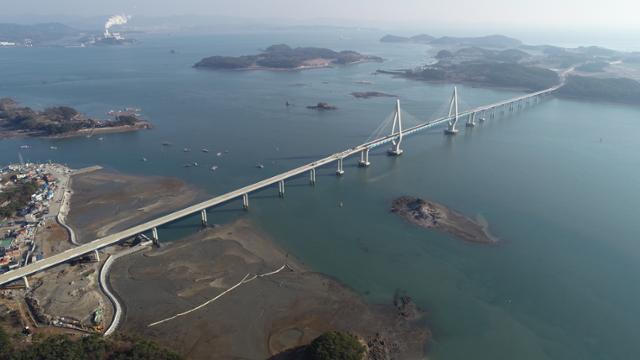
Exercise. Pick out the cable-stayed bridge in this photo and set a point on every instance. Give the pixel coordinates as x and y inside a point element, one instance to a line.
<point>395,137</point>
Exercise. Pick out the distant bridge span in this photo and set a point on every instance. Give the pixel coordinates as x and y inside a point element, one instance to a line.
<point>395,138</point>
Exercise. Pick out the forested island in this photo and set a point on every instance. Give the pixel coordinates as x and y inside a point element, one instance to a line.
<point>620,90</point>
<point>284,57</point>
<point>16,120</point>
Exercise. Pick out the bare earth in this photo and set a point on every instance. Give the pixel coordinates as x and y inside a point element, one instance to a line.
<point>430,214</point>
<point>102,203</point>
<point>105,202</point>
<point>257,319</point>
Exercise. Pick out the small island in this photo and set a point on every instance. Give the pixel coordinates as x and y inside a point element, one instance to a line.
<point>283,57</point>
<point>370,94</point>
<point>60,121</point>
<point>431,215</point>
<point>321,106</point>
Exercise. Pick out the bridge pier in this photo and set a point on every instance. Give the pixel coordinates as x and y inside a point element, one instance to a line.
<point>281,188</point>
<point>364,158</point>
<point>483,115</point>
<point>340,170</point>
<point>471,120</point>
<point>97,254</point>
<point>26,282</point>
<point>203,217</point>
<point>245,201</point>
<point>154,236</point>
<point>312,176</point>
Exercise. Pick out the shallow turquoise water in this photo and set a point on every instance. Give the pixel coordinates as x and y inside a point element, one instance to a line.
<point>558,183</point>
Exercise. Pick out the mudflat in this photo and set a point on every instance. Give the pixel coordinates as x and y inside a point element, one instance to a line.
<point>256,319</point>
<point>105,202</point>
<point>431,215</point>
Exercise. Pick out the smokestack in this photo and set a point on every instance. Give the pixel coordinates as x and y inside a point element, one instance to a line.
<point>115,20</point>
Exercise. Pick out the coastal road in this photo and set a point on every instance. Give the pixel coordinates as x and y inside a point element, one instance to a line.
<point>218,200</point>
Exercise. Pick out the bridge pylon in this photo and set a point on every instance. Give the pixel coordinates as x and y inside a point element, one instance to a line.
<point>453,113</point>
<point>397,121</point>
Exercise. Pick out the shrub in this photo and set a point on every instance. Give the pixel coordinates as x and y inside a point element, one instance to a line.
<point>335,345</point>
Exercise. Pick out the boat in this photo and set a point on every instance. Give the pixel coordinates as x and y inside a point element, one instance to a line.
<point>166,143</point>
<point>214,168</point>
<point>195,164</point>
<point>186,150</point>
<point>53,147</point>
<point>144,159</point>
<point>100,138</point>
<point>204,150</point>
<point>25,147</point>
<point>187,165</point>
<point>219,154</point>
<point>260,166</point>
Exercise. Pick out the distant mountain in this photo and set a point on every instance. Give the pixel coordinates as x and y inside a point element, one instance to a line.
<point>491,41</point>
<point>38,33</point>
<point>422,38</point>
<point>494,41</point>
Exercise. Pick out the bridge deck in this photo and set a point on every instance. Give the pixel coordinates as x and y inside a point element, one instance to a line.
<point>119,236</point>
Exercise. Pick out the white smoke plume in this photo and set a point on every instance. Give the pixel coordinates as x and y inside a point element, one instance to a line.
<point>116,20</point>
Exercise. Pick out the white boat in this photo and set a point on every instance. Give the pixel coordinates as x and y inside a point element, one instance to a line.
<point>25,147</point>
<point>214,168</point>
<point>205,150</point>
<point>195,164</point>
<point>100,138</point>
<point>260,166</point>
<point>144,159</point>
<point>53,147</point>
<point>219,154</point>
<point>186,150</point>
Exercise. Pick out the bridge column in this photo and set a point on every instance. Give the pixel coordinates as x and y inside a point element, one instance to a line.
<point>483,115</point>
<point>312,176</point>
<point>364,158</point>
<point>340,170</point>
<point>281,188</point>
<point>26,282</point>
<point>203,217</point>
<point>154,236</point>
<point>97,254</point>
<point>397,119</point>
<point>453,114</point>
<point>245,201</point>
<point>471,120</point>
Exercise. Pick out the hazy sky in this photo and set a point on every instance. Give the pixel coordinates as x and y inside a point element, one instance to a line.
<point>536,14</point>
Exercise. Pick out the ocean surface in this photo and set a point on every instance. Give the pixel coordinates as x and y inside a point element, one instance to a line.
<point>559,183</point>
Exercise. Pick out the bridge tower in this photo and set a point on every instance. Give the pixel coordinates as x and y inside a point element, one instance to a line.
<point>154,236</point>
<point>397,119</point>
<point>453,113</point>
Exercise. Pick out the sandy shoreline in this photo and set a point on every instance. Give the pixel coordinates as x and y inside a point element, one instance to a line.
<point>256,320</point>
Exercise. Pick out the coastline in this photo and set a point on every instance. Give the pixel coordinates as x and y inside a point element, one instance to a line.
<point>20,134</point>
